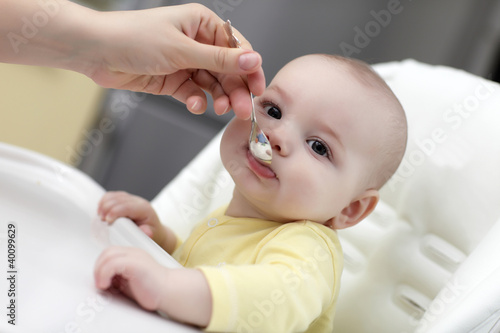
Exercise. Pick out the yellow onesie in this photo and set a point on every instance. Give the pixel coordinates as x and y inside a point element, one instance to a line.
<point>266,276</point>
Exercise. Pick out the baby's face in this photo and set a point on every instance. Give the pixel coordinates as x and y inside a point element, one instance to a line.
<point>315,116</point>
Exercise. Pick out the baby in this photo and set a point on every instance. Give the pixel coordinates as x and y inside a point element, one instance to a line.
<point>270,261</point>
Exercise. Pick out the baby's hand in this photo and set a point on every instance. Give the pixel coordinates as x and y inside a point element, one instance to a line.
<point>122,204</point>
<point>182,293</point>
<point>132,271</point>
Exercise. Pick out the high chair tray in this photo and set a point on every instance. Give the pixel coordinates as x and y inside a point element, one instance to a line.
<point>50,238</point>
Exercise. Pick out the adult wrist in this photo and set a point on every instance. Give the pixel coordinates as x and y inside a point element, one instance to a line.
<point>81,35</point>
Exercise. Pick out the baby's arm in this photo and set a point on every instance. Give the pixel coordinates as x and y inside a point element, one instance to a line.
<point>183,294</point>
<point>121,204</point>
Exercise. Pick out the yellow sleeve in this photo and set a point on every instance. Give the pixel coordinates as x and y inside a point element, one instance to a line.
<point>290,288</point>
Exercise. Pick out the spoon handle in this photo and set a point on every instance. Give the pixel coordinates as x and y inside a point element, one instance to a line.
<point>231,38</point>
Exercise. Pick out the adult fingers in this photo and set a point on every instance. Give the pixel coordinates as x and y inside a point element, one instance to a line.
<point>257,82</point>
<point>220,59</point>
<point>211,85</point>
<point>180,86</point>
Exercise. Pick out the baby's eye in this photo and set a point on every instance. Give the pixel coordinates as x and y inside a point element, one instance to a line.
<point>273,111</point>
<point>319,147</point>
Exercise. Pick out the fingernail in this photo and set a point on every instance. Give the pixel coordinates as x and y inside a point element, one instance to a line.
<point>248,61</point>
<point>196,106</point>
<point>193,107</point>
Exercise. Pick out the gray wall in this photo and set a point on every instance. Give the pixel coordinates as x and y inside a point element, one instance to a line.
<point>443,32</point>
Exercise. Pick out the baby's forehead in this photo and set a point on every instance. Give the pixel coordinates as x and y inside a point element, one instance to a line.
<point>314,71</point>
<point>336,83</point>
<point>323,65</point>
<point>313,63</point>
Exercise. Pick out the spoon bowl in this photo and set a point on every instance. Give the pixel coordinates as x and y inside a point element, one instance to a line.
<point>259,144</point>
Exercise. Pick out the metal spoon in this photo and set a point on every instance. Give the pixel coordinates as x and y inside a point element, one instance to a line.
<point>259,144</point>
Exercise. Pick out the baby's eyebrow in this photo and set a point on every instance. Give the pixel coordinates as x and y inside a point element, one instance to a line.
<point>330,131</point>
<point>283,93</point>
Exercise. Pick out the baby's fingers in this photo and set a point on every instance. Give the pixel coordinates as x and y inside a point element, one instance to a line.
<point>147,230</point>
<point>107,201</point>
<point>113,205</point>
<point>111,262</point>
<point>115,211</point>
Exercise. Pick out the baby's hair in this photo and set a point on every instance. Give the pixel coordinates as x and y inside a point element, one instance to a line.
<point>392,148</point>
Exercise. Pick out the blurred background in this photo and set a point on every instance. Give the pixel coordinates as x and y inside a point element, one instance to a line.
<point>139,142</point>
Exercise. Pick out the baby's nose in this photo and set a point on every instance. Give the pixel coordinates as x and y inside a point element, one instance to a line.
<point>278,140</point>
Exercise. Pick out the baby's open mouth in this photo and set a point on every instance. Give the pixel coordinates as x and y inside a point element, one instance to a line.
<point>259,168</point>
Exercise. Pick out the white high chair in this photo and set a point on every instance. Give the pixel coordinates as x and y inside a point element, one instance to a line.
<point>427,259</point>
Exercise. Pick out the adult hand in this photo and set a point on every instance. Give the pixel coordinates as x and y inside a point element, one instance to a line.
<point>178,51</point>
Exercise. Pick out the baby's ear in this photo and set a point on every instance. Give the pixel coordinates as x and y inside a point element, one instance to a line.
<point>357,210</point>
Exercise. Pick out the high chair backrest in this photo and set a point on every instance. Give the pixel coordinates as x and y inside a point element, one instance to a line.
<point>427,259</point>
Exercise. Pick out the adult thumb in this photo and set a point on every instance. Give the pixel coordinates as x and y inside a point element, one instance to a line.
<point>225,60</point>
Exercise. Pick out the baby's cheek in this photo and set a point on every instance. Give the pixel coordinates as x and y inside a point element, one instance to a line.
<point>316,198</point>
